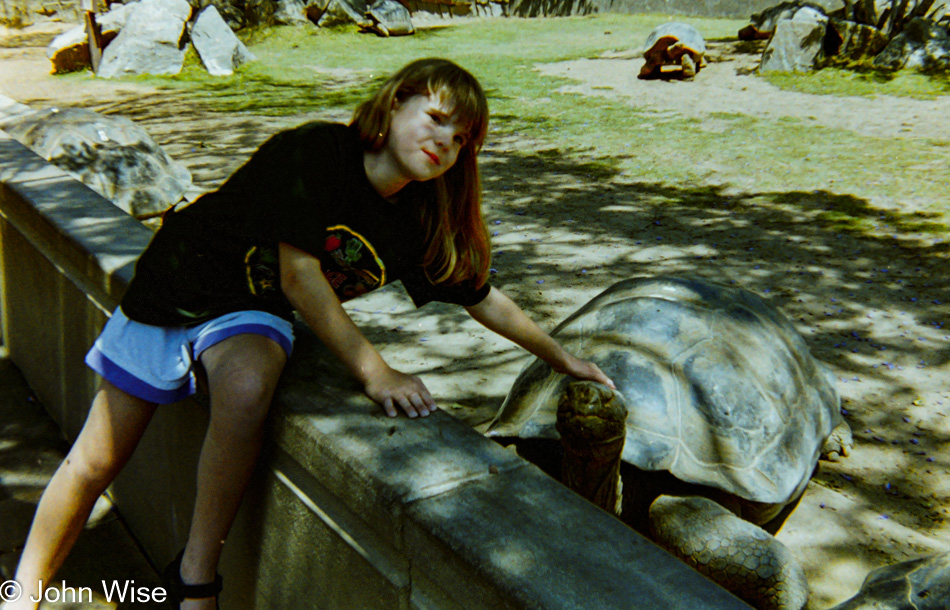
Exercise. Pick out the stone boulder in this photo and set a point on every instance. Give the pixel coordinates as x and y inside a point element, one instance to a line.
<point>70,50</point>
<point>850,40</point>
<point>110,154</point>
<point>284,12</point>
<point>291,12</point>
<point>868,12</point>
<point>152,41</point>
<point>219,49</point>
<point>762,24</point>
<point>232,11</point>
<point>797,43</point>
<point>923,44</point>
<point>891,16</point>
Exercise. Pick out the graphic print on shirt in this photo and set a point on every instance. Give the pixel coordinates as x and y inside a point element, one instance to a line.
<point>351,266</point>
<point>260,264</point>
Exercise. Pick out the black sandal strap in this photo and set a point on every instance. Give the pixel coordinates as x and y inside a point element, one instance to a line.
<point>179,591</point>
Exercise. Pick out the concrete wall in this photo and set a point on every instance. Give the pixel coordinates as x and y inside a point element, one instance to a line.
<point>348,508</point>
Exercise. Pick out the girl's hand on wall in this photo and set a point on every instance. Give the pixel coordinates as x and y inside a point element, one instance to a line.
<point>585,371</point>
<point>392,388</point>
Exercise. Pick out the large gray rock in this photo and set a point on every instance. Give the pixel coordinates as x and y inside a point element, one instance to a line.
<point>863,11</point>
<point>890,15</point>
<point>762,24</point>
<point>70,50</point>
<point>851,40</point>
<point>219,49</point>
<point>232,11</point>
<point>290,12</point>
<point>922,44</point>
<point>797,42</point>
<point>116,17</point>
<point>283,12</point>
<point>110,154</point>
<point>112,21</point>
<point>152,41</point>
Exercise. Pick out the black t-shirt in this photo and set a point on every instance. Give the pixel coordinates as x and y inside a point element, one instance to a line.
<point>306,187</point>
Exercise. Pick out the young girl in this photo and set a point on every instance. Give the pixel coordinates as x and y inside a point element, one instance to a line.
<point>318,215</point>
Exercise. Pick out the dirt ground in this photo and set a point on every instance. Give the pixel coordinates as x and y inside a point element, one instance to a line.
<point>874,307</point>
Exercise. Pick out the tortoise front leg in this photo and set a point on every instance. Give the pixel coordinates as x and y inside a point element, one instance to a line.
<point>740,556</point>
<point>689,66</point>
<point>839,443</point>
<point>591,420</point>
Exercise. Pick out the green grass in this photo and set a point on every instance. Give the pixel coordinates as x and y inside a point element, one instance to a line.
<point>501,53</point>
<point>299,70</point>
<point>865,82</point>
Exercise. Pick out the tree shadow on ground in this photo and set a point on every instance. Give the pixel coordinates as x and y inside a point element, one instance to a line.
<point>862,285</point>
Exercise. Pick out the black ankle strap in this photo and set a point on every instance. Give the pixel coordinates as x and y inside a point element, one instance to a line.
<point>179,591</point>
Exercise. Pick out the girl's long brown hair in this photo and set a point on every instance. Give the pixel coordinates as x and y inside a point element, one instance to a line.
<point>458,247</point>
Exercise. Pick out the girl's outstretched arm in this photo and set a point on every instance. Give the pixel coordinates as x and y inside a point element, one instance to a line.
<point>307,289</point>
<point>499,313</point>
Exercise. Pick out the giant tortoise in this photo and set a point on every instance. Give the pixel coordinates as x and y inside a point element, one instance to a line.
<point>677,44</point>
<point>726,416</point>
<point>387,18</point>
<point>110,154</point>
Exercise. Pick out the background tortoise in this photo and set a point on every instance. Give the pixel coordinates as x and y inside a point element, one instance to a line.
<point>388,18</point>
<point>673,44</point>
<point>921,584</point>
<point>110,154</point>
<point>722,394</point>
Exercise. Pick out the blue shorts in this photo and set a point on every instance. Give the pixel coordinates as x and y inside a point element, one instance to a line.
<point>157,363</point>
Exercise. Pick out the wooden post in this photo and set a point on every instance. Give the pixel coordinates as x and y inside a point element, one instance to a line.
<point>93,33</point>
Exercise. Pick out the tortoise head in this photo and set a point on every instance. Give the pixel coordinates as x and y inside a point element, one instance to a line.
<point>590,412</point>
<point>591,419</point>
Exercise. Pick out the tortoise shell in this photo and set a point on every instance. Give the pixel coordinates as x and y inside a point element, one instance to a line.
<point>110,154</point>
<point>389,18</point>
<point>721,389</point>
<point>661,38</point>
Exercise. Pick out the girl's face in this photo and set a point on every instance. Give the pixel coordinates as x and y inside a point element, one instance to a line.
<point>424,137</point>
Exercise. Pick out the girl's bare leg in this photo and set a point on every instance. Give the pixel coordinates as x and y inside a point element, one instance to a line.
<point>242,373</point>
<point>112,430</point>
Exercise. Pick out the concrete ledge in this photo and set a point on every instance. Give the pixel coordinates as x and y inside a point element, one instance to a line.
<point>348,508</point>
